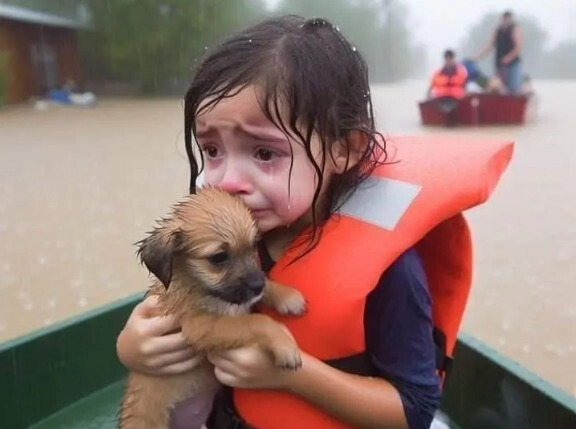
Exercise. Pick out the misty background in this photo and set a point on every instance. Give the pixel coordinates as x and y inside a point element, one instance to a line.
<point>153,45</point>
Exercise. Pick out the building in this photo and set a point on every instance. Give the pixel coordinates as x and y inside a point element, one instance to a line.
<point>41,50</point>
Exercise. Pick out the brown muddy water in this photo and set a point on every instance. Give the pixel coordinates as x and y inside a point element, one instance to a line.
<point>79,186</point>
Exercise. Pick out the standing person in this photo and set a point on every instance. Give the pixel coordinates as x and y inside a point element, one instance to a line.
<point>369,230</point>
<point>507,40</point>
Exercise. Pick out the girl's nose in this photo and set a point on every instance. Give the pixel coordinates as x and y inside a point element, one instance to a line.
<point>236,181</point>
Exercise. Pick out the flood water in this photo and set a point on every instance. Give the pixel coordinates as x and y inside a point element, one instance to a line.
<point>79,186</point>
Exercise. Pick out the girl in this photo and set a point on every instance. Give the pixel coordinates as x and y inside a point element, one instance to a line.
<point>282,115</point>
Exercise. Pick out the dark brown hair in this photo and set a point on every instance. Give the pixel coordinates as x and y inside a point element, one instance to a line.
<point>308,68</point>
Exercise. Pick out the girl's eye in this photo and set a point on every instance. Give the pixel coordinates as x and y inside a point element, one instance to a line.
<point>264,154</point>
<point>210,151</point>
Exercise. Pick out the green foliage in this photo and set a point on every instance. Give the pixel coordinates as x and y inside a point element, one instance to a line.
<point>3,77</point>
<point>153,42</point>
<point>377,28</point>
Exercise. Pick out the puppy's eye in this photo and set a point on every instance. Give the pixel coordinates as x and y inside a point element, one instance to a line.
<point>218,258</point>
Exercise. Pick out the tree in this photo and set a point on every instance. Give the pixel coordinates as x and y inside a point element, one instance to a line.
<point>153,42</point>
<point>377,28</point>
<point>3,77</point>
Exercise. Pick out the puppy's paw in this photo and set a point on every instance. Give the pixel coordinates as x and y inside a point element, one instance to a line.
<point>292,303</point>
<point>285,300</point>
<point>287,357</point>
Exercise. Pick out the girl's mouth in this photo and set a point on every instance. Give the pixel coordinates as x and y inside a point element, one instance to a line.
<point>258,213</point>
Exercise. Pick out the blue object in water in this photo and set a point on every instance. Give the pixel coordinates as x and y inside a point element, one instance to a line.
<point>59,96</point>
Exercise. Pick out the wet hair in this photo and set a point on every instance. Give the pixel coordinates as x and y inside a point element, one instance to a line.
<point>449,54</point>
<point>304,67</point>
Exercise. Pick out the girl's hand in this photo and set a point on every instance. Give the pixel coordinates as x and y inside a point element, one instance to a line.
<point>249,368</point>
<point>149,344</point>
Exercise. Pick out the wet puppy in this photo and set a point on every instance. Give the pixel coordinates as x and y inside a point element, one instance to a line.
<point>205,259</point>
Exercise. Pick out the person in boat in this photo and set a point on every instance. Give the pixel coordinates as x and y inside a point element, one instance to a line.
<point>282,115</point>
<point>495,85</point>
<point>448,86</point>
<point>450,80</point>
<point>506,39</point>
<point>477,80</point>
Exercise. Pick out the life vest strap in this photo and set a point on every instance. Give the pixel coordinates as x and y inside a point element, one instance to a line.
<point>443,360</point>
<point>225,415</point>
<point>359,364</point>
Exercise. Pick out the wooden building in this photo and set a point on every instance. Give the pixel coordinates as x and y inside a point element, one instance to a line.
<point>41,51</point>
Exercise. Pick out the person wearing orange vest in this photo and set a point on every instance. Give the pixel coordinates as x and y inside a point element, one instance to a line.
<point>369,229</point>
<point>450,80</point>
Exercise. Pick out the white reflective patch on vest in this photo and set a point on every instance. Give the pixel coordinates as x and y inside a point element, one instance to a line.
<point>380,201</point>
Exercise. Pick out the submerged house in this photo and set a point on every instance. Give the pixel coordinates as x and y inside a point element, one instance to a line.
<point>39,49</point>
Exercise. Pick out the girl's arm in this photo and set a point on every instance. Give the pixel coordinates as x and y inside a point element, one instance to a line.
<point>399,341</point>
<point>363,402</point>
<point>152,344</point>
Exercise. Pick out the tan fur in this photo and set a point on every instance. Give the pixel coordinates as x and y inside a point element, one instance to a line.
<point>178,253</point>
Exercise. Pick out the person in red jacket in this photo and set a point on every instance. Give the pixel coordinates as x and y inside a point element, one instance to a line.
<point>450,80</point>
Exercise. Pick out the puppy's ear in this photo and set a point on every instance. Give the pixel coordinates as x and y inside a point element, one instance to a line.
<point>157,251</point>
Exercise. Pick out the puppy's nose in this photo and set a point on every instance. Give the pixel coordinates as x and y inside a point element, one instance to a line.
<point>255,280</point>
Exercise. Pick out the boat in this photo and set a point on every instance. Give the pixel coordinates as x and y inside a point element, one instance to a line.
<point>67,376</point>
<point>476,109</point>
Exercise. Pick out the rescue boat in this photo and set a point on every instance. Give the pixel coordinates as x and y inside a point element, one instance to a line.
<point>68,376</point>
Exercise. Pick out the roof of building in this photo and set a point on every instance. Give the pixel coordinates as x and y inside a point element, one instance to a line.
<point>21,14</point>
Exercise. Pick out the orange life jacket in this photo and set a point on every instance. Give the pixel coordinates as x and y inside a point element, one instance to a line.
<point>445,85</point>
<point>417,201</point>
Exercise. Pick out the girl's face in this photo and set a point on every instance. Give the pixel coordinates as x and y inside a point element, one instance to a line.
<point>246,155</point>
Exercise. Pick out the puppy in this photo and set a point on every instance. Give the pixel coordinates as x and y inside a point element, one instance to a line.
<point>205,258</point>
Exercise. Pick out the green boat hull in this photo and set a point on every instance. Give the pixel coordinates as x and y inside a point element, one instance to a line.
<point>68,377</point>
